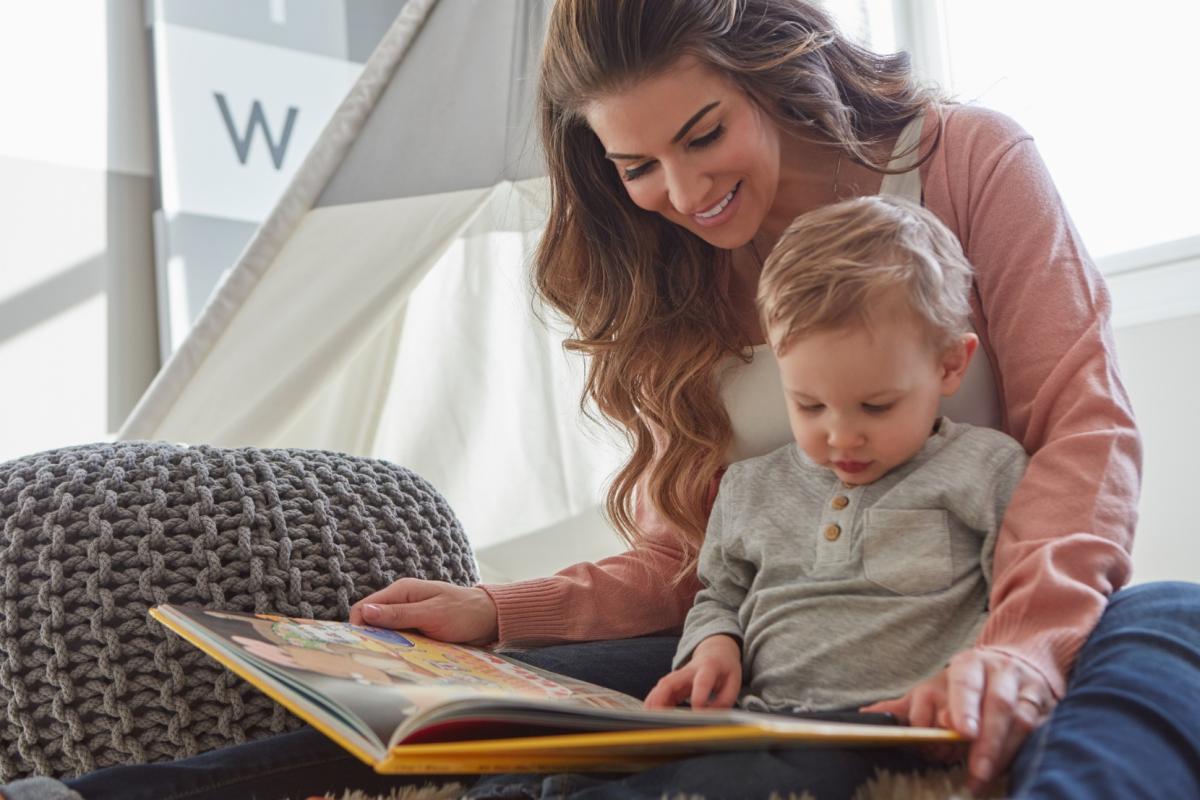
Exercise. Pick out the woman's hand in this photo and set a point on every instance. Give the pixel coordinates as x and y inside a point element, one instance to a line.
<point>434,608</point>
<point>715,667</point>
<point>985,695</point>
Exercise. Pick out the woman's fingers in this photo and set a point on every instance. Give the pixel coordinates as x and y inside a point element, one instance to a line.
<point>965,680</point>
<point>401,591</point>
<point>986,758</point>
<point>1034,703</point>
<point>435,608</point>
<point>397,616</point>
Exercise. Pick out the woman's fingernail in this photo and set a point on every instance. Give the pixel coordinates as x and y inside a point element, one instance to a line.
<point>372,610</point>
<point>971,726</point>
<point>983,769</point>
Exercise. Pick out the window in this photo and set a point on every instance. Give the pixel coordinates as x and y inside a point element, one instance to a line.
<point>1108,95</point>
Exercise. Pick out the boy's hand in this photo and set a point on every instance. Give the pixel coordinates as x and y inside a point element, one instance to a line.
<point>712,679</point>
<point>985,695</point>
<point>437,609</point>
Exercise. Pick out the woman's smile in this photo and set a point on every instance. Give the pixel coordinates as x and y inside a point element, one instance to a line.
<point>720,212</point>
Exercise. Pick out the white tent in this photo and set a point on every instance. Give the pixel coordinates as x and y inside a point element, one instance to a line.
<point>384,308</point>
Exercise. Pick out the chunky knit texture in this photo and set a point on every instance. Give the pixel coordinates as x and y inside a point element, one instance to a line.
<point>91,537</point>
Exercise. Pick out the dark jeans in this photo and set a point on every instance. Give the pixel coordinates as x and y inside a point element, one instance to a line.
<point>1128,727</point>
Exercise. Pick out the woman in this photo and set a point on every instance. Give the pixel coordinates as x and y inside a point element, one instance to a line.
<point>681,137</point>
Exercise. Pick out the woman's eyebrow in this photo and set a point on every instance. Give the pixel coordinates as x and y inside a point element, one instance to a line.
<point>687,126</point>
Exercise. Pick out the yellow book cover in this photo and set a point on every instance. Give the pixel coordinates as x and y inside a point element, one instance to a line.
<point>404,703</point>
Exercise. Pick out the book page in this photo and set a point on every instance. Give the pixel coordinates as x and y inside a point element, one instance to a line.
<point>385,677</point>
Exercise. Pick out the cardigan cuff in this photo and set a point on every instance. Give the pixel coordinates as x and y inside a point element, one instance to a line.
<point>529,612</point>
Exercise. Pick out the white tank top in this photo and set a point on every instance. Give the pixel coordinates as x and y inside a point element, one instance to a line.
<point>753,392</point>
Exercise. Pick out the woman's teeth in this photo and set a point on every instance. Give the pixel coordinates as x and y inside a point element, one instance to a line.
<point>719,207</point>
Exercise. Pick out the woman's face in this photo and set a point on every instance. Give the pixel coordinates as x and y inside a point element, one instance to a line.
<point>692,146</point>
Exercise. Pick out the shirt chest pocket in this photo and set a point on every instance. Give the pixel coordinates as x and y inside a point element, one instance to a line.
<point>907,551</point>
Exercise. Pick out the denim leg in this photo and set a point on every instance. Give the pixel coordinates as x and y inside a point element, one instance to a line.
<point>829,773</point>
<point>631,666</point>
<point>293,765</point>
<point>1129,725</point>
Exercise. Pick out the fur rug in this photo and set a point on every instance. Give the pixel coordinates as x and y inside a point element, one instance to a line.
<point>933,785</point>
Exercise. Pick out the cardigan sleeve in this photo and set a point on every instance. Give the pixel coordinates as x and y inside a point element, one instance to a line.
<point>631,594</point>
<point>1065,542</point>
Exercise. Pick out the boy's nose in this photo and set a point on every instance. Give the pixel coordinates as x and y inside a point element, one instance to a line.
<point>844,438</point>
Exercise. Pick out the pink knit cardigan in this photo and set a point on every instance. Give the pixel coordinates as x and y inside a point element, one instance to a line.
<point>1042,312</point>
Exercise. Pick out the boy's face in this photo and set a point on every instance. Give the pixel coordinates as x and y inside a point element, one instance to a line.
<point>863,400</point>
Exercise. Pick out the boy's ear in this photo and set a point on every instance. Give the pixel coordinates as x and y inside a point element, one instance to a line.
<point>955,359</point>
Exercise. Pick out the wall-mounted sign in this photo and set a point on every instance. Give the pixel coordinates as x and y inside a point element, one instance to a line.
<point>236,118</point>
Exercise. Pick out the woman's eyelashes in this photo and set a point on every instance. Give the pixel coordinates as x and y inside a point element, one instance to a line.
<point>633,173</point>
<point>708,138</point>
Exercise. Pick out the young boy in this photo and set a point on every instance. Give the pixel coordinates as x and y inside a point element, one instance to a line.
<point>849,566</point>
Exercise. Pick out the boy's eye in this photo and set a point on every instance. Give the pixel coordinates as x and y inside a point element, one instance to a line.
<point>877,408</point>
<point>708,138</point>
<point>811,408</point>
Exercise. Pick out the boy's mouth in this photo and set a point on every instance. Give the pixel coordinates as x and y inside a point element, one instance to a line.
<point>852,467</point>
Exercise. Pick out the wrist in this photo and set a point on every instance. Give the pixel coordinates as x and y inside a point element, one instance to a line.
<point>721,643</point>
<point>487,614</point>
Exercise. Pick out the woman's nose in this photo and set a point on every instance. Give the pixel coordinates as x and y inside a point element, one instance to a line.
<point>687,191</point>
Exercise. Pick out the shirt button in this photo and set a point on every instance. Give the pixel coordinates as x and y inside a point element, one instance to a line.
<point>840,502</point>
<point>832,532</point>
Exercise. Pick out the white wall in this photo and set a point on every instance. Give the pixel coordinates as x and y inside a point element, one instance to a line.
<point>77,322</point>
<point>1161,368</point>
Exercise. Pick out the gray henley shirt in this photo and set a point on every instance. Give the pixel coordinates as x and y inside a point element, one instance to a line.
<point>842,595</point>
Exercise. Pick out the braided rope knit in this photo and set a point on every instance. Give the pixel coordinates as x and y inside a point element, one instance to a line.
<point>92,536</point>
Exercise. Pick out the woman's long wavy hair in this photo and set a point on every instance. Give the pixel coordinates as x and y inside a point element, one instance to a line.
<point>644,295</point>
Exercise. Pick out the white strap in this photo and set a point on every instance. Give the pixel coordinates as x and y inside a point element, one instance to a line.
<point>905,155</point>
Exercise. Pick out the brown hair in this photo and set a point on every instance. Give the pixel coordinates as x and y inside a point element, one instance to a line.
<point>644,295</point>
<point>835,266</point>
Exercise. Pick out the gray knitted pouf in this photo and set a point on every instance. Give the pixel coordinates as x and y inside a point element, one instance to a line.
<point>92,536</point>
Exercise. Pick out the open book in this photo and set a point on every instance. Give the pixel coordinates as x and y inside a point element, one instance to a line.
<point>404,703</point>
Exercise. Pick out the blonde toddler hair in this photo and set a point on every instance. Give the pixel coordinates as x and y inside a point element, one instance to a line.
<point>838,266</point>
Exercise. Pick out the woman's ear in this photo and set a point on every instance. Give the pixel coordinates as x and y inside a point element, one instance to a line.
<point>955,359</point>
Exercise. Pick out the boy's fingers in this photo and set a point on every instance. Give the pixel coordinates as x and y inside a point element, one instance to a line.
<point>655,698</point>
<point>923,710</point>
<point>943,718</point>
<point>731,684</point>
<point>897,708</point>
<point>702,687</point>
<point>669,690</point>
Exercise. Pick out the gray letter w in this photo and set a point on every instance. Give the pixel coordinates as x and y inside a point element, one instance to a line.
<point>257,118</point>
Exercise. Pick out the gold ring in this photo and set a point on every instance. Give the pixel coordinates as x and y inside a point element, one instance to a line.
<point>1033,700</point>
